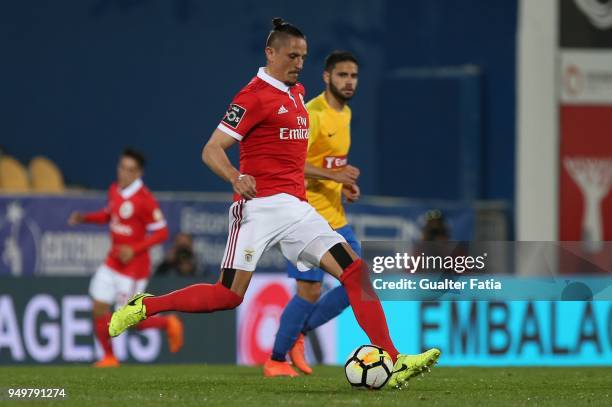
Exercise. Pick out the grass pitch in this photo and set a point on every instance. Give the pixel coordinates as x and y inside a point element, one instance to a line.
<point>200,385</point>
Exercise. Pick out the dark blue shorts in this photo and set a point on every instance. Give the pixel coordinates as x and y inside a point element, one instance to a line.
<point>317,273</point>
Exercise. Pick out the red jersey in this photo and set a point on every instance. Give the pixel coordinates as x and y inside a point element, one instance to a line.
<point>270,120</point>
<point>131,212</point>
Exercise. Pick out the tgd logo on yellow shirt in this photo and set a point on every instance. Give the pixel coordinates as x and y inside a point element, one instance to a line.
<point>335,162</point>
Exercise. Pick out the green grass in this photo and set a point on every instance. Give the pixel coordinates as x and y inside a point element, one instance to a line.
<point>197,385</point>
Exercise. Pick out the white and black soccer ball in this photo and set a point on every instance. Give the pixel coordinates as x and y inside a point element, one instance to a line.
<point>368,367</point>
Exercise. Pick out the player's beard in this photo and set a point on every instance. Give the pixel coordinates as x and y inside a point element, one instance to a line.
<point>291,83</point>
<point>338,94</point>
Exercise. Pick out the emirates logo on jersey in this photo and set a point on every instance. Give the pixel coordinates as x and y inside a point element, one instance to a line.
<point>119,228</point>
<point>126,209</point>
<point>293,134</point>
<point>296,134</point>
<point>335,162</point>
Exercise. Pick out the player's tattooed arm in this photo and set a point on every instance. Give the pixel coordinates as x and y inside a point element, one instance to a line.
<point>346,175</point>
<point>215,157</point>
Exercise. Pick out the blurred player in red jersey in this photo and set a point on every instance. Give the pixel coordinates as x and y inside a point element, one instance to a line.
<point>132,211</point>
<point>269,119</point>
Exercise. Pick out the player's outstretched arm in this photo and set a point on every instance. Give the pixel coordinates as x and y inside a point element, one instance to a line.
<point>76,218</point>
<point>215,157</point>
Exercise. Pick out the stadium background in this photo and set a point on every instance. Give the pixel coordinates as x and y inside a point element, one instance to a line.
<point>468,104</point>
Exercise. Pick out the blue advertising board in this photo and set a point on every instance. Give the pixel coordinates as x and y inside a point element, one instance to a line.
<point>36,239</point>
<point>505,333</point>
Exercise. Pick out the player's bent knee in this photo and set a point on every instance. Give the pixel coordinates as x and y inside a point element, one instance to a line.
<point>341,255</point>
<point>233,303</point>
<point>309,290</point>
<point>235,280</point>
<point>227,278</point>
<point>226,298</point>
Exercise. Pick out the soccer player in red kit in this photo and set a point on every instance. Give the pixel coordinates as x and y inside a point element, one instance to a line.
<point>269,119</point>
<point>136,224</point>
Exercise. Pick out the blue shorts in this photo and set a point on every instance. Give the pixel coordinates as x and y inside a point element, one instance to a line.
<point>317,273</point>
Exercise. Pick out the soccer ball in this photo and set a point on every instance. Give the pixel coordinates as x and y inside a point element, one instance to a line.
<point>368,367</point>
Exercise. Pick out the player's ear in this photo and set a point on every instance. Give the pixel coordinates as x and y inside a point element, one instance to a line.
<point>269,53</point>
<point>326,77</point>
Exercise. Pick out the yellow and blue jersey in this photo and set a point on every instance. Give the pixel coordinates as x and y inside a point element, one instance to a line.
<point>328,147</point>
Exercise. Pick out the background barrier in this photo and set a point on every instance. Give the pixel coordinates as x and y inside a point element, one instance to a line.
<point>35,238</point>
<point>48,320</point>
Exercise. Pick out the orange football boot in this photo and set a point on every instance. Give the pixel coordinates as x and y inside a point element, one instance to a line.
<point>297,355</point>
<point>107,361</point>
<point>175,333</point>
<point>274,368</point>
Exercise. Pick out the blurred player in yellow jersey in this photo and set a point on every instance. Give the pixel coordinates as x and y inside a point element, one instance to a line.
<point>330,179</point>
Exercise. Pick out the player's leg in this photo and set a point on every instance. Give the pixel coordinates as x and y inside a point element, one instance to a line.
<point>325,309</point>
<point>292,321</point>
<point>293,318</point>
<point>102,290</point>
<point>227,293</point>
<point>335,300</point>
<point>170,324</point>
<point>305,311</point>
<point>352,272</point>
<point>310,290</point>
<point>325,248</point>
<point>311,242</point>
<point>101,319</point>
<point>236,270</point>
<point>297,310</point>
<point>343,263</point>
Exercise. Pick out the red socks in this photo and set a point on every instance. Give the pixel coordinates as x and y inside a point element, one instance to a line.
<point>194,298</point>
<point>156,322</point>
<point>366,306</point>
<point>101,328</point>
<point>215,297</point>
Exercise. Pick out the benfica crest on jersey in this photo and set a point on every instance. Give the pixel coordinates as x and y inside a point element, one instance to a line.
<point>248,255</point>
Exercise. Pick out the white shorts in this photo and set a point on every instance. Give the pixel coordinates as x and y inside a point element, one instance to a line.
<point>302,234</point>
<point>114,288</point>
